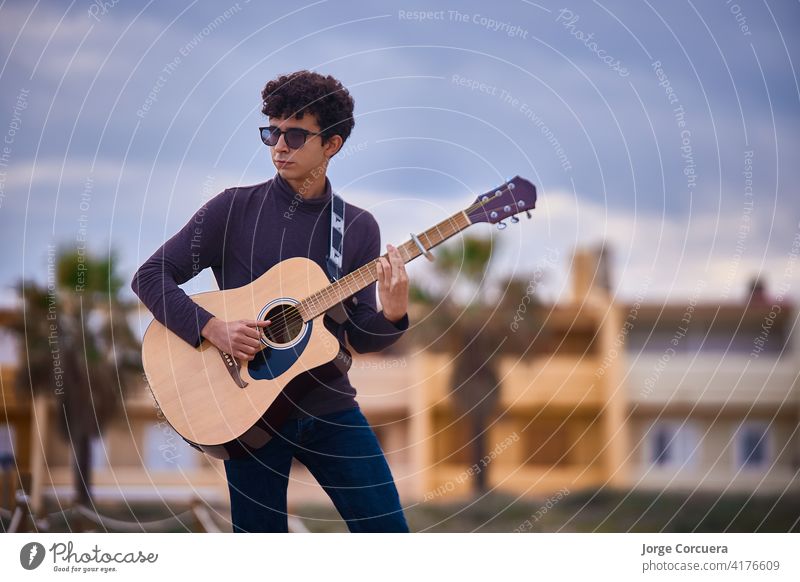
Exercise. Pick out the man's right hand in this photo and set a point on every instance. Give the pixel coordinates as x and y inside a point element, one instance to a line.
<point>239,338</point>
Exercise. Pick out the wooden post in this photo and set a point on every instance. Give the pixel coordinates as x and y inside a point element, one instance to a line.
<point>615,428</point>
<point>39,426</point>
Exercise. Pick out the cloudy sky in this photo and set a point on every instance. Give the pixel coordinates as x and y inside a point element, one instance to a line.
<point>669,130</point>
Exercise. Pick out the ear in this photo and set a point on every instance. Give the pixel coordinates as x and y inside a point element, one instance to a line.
<point>333,145</point>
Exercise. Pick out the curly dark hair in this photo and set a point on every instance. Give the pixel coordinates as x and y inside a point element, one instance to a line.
<point>324,96</point>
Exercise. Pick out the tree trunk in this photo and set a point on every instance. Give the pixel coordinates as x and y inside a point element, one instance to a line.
<point>82,467</point>
<point>478,452</point>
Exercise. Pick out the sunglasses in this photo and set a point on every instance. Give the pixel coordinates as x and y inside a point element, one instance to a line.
<point>295,137</point>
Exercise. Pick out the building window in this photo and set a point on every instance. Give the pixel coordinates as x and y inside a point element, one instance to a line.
<point>99,454</point>
<point>165,450</point>
<point>719,339</point>
<point>752,445</point>
<point>673,444</point>
<point>9,348</point>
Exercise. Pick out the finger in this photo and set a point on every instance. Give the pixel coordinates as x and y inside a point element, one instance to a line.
<point>247,349</point>
<point>383,270</point>
<point>250,343</point>
<point>397,260</point>
<point>387,268</point>
<point>252,328</point>
<point>252,334</point>
<point>397,264</point>
<point>393,278</point>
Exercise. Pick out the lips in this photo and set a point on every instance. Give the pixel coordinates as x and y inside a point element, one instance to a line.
<point>283,162</point>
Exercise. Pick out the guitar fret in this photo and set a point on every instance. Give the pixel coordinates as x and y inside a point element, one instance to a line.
<point>430,245</point>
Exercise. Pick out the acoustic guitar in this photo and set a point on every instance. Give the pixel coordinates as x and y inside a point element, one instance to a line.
<point>227,408</point>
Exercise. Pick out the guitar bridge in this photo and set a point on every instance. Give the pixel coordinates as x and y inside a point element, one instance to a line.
<point>233,368</point>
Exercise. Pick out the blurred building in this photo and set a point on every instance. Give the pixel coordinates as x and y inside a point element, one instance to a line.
<point>564,413</point>
<point>713,395</point>
<point>688,396</point>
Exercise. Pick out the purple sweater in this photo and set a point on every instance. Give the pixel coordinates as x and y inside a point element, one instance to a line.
<point>244,231</point>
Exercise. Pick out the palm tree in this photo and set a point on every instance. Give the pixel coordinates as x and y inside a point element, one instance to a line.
<point>475,333</point>
<point>77,346</point>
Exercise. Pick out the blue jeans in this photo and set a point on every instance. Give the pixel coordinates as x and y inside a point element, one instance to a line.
<point>343,454</point>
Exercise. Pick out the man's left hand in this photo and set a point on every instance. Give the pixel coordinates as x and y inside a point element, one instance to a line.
<point>393,285</point>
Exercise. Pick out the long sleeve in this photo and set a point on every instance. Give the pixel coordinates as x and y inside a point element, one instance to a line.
<point>199,244</point>
<point>367,329</point>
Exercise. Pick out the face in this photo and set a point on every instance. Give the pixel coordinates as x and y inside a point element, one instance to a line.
<point>308,158</point>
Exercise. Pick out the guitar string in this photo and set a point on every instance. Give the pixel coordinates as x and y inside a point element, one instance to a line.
<point>282,323</point>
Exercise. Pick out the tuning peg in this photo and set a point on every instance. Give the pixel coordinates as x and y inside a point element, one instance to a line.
<point>501,225</point>
<point>514,219</point>
<point>528,212</point>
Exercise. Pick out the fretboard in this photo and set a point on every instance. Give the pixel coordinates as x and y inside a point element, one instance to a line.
<point>327,297</point>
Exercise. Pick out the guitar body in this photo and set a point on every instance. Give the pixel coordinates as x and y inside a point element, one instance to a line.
<point>225,407</point>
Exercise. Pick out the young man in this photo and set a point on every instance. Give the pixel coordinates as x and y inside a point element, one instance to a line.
<point>240,234</point>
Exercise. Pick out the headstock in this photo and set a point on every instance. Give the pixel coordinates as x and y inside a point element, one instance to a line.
<point>506,201</point>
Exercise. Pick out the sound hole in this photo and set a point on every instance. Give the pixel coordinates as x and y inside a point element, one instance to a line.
<point>286,324</point>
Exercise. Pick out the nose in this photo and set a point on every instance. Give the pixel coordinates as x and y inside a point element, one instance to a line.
<point>281,145</point>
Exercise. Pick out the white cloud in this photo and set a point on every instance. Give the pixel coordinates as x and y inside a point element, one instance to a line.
<point>665,249</point>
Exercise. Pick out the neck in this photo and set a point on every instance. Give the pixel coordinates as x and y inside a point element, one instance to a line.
<point>310,186</point>
<point>321,301</point>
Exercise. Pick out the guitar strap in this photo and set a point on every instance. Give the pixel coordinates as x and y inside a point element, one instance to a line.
<point>335,253</point>
<point>334,262</point>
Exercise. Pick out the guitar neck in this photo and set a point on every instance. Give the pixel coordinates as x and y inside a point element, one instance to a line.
<point>321,301</point>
